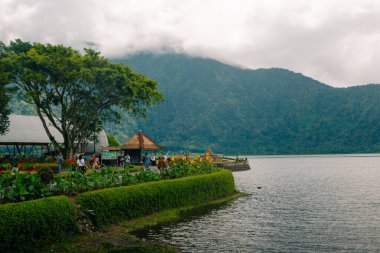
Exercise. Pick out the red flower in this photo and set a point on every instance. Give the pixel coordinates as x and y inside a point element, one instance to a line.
<point>19,165</point>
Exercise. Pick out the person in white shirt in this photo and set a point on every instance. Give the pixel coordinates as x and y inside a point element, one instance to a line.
<point>81,164</point>
<point>153,160</point>
<point>127,159</point>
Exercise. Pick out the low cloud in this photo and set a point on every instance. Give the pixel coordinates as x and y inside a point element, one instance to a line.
<point>336,41</point>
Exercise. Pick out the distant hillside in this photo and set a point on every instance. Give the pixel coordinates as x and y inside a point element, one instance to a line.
<point>264,111</point>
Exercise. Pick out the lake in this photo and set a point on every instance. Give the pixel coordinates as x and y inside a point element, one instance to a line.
<point>298,204</point>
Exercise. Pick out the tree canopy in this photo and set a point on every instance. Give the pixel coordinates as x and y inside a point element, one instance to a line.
<point>112,141</point>
<point>4,96</point>
<point>75,92</point>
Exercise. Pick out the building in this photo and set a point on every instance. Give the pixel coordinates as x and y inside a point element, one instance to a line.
<point>27,135</point>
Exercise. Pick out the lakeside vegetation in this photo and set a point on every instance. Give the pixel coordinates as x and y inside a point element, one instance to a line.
<point>105,206</point>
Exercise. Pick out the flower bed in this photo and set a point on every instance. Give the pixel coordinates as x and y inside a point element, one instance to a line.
<point>28,167</point>
<point>16,186</point>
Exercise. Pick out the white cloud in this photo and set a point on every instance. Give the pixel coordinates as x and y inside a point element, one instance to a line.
<point>334,41</point>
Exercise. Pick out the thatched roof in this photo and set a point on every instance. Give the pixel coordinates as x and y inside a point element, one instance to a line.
<point>141,142</point>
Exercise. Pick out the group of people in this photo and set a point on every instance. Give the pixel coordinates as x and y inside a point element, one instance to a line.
<point>94,162</point>
<point>153,160</point>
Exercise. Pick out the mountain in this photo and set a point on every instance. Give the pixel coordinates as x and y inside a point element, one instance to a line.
<point>263,111</point>
<point>241,111</point>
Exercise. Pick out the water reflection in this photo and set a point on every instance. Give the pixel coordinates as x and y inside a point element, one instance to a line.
<point>298,204</point>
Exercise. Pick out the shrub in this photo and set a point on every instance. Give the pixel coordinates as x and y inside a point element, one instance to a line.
<point>36,222</point>
<point>115,204</point>
<point>46,175</point>
<point>147,176</point>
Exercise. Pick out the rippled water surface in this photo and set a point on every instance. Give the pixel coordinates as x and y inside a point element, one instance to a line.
<point>298,204</point>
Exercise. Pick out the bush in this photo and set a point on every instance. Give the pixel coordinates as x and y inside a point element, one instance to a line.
<point>36,222</point>
<point>112,205</point>
<point>46,175</point>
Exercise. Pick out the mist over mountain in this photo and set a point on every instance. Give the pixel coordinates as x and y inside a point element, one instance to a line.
<point>263,111</point>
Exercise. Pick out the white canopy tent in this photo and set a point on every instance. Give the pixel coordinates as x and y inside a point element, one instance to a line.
<point>29,131</point>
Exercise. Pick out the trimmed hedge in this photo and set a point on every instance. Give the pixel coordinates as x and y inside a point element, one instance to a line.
<point>35,222</point>
<point>115,204</point>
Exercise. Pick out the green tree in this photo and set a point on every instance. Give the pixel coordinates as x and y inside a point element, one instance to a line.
<point>75,92</point>
<point>112,141</point>
<point>4,95</point>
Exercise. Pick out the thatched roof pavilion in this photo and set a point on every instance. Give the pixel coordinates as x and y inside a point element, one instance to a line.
<point>135,146</point>
<point>141,142</point>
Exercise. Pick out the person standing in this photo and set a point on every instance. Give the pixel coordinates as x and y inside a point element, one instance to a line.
<point>127,159</point>
<point>153,160</point>
<point>59,159</point>
<point>122,161</point>
<point>81,164</point>
<point>146,161</point>
<point>93,161</point>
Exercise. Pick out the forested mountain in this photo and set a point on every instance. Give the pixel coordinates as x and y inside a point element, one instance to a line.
<point>263,111</point>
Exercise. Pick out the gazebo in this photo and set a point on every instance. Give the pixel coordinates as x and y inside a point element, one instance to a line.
<point>137,145</point>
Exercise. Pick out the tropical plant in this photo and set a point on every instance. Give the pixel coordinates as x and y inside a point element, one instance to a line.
<point>18,186</point>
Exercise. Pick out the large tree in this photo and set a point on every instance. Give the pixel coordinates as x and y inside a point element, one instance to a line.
<point>75,91</point>
<point>4,95</point>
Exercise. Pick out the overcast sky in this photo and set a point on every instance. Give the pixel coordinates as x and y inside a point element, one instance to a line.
<point>334,41</point>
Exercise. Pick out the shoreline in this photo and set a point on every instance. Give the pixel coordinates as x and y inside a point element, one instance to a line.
<point>122,236</point>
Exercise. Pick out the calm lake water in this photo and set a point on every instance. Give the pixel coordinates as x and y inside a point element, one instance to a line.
<point>298,204</point>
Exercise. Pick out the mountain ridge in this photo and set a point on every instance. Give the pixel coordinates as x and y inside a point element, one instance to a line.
<point>275,111</point>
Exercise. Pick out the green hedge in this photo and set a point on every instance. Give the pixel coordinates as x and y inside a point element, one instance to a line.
<point>35,222</point>
<point>115,204</point>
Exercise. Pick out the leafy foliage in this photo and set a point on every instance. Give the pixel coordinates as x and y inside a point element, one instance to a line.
<point>76,92</point>
<point>46,175</point>
<point>112,141</point>
<point>4,96</point>
<point>18,186</point>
